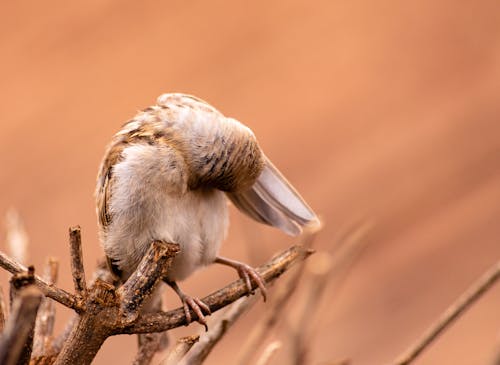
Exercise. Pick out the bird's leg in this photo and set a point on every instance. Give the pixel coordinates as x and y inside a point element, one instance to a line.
<point>245,272</point>
<point>189,302</point>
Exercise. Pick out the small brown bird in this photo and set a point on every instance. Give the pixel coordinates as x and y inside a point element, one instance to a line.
<point>166,175</point>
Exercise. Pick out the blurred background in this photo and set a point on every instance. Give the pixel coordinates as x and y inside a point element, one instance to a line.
<point>384,111</point>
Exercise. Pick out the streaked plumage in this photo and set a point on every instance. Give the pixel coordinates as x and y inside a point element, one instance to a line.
<point>166,176</point>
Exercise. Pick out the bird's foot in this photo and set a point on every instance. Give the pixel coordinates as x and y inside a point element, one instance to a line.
<point>246,273</point>
<point>191,303</point>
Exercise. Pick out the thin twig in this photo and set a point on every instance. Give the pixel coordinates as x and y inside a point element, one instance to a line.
<point>143,281</point>
<point>209,339</point>
<point>3,310</point>
<point>158,322</point>
<point>44,328</point>
<point>16,341</point>
<point>77,268</point>
<point>469,297</point>
<point>316,274</point>
<point>149,344</point>
<point>273,312</point>
<point>269,352</point>
<point>20,281</point>
<point>59,295</point>
<point>182,346</point>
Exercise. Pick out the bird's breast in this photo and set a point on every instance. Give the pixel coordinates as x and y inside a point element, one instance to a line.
<point>150,200</point>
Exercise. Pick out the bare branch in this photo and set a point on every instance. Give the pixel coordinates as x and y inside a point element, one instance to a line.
<point>3,310</point>
<point>317,272</point>
<point>44,328</point>
<point>59,295</point>
<point>16,342</point>
<point>209,339</point>
<point>107,309</point>
<point>258,333</point>
<point>469,297</point>
<point>180,349</point>
<point>268,352</point>
<point>143,281</point>
<point>159,322</point>
<point>20,281</point>
<point>77,269</point>
<point>149,344</point>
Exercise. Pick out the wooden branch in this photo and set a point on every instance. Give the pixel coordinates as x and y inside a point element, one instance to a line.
<point>16,341</point>
<point>59,295</point>
<point>269,352</point>
<point>20,281</point>
<point>143,281</point>
<point>92,328</point>
<point>158,322</point>
<point>469,297</point>
<point>180,349</point>
<point>209,339</point>
<point>149,344</point>
<point>107,309</point>
<point>3,310</point>
<point>44,328</point>
<point>77,269</point>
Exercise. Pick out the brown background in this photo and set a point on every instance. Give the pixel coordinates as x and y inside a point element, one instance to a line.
<point>380,109</point>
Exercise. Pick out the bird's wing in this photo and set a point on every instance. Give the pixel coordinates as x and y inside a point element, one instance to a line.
<point>273,200</point>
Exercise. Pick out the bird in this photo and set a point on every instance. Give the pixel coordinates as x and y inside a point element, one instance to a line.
<point>169,173</point>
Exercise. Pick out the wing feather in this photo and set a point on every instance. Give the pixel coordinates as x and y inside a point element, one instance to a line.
<point>273,200</point>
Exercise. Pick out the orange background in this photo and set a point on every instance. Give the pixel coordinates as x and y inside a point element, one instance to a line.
<point>384,110</point>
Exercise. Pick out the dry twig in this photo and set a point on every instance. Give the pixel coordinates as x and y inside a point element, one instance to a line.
<point>59,295</point>
<point>275,309</point>
<point>17,338</point>
<point>158,322</point>
<point>180,349</point>
<point>44,329</point>
<point>209,339</point>
<point>269,352</point>
<point>104,311</point>
<point>77,269</point>
<point>469,297</point>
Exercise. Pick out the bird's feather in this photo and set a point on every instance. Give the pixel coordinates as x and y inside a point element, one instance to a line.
<point>274,201</point>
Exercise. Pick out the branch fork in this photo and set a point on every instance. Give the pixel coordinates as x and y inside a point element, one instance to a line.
<point>104,310</point>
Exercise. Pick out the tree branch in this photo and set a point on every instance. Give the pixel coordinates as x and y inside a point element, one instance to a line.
<point>469,297</point>
<point>180,349</point>
<point>59,295</point>
<point>77,269</point>
<point>107,309</point>
<point>145,278</point>
<point>163,321</point>
<point>199,352</point>
<point>44,328</point>
<point>16,342</point>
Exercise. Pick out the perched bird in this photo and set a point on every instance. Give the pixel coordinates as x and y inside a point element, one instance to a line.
<point>167,175</point>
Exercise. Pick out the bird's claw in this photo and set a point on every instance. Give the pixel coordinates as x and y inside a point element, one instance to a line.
<point>246,272</point>
<point>198,308</point>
